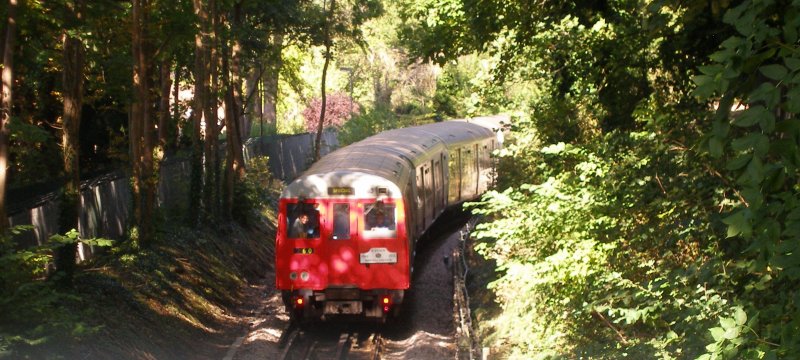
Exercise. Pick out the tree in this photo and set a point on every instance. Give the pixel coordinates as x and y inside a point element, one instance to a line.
<point>72,75</point>
<point>328,45</point>
<point>6,105</point>
<point>201,85</point>
<point>141,122</point>
<point>343,24</point>
<point>234,169</point>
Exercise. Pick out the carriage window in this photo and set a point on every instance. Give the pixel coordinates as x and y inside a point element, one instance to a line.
<point>379,221</point>
<point>302,221</point>
<point>341,221</point>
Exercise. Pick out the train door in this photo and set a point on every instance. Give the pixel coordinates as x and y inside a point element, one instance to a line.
<point>420,201</point>
<point>341,244</point>
<point>441,168</point>
<point>435,184</point>
<point>467,174</point>
<point>477,161</point>
<point>428,189</point>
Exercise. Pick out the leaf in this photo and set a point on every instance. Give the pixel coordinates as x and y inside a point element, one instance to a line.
<point>744,24</point>
<point>722,55</point>
<point>792,63</point>
<point>766,92</point>
<point>717,333</point>
<point>774,71</point>
<point>753,141</point>
<point>720,129</point>
<point>767,122</point>
<point>732,42</point>
<point>738,162</point>
<point>740,316</point>
<point>705,86</point>
<point>732,15</point>
<point>727,323</point>
<point>753,197</point>
<point>731,333</point>
<point>753,174</point>
<point>554,149</point>
<point>750,116</point>
<point>711,70</point>
<point>99,242</point>
<point>738,223</point>
<point>793,100</point>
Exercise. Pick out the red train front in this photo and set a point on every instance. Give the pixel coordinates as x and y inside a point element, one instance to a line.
<point>342,249</point>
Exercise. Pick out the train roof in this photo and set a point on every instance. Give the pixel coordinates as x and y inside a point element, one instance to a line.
<point>390,154</point>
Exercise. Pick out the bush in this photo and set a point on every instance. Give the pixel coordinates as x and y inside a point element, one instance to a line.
<point>338,108</point>
<point>600,253</point>
<point>253,191</point>
<point>363,126</point>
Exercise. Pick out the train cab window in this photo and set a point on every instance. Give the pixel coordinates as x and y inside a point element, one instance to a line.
<point>341,221</point>
<point>302,221</point>
<point>379,221</point>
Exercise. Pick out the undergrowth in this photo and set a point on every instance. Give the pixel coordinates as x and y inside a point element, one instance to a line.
<point>171,300</point>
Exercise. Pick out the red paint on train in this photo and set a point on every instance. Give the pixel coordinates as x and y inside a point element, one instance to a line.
<point>328,261</point>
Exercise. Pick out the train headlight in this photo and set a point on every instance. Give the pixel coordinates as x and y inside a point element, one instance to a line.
<point>292,275</point>
<point>304,276</point>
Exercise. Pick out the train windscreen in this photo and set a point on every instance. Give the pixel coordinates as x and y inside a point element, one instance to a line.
<point>302,221</point>
<point>379,221</point>
<point>341,221</point>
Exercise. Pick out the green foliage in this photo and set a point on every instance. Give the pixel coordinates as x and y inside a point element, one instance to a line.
<point>19,266</point>
<point>366,125</point>
<point>607,230</point>
<point>33,154</point>
<point>27,298</point>
<point>253,192</point>
<point>759,68</point>
<point>614,235</point>
<point>451,88</point>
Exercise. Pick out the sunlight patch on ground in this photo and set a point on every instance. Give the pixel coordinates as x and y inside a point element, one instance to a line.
<point>266,334</point>
<point>422,345</point>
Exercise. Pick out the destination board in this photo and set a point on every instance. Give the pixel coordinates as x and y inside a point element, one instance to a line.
<point>340,190</point>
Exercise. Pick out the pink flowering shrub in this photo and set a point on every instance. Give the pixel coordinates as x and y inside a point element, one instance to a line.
<point>337,111</point>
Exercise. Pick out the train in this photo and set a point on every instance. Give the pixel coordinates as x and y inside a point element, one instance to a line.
<point>349,225</point>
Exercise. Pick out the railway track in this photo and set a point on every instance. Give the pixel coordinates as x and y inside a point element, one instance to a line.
<point>351,343</point>
<point>423,330</point>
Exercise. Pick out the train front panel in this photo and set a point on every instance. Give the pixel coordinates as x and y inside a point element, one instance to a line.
<point>341,254</point>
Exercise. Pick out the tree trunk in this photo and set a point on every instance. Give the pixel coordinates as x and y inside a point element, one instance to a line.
<point>73,103</point>
<point>212,128</point>
<point>6,105</point>
<point>271,79</point>
<point>236,81</point>
<point>328,46</point>
<point>198,111</point>
<point>234,167</point>
<point>253,100</point>
<point>176,108</point>
<point>141,131</point>
<point>164,118</point>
